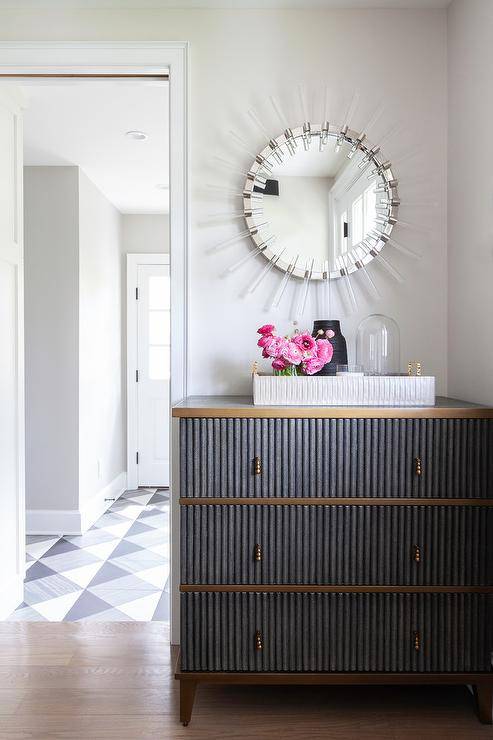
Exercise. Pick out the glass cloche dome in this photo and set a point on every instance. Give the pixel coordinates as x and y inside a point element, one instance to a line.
<point>378,345</point>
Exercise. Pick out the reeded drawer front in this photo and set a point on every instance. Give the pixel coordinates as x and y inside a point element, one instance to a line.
<point>412,458</point>
<point>339,545</point>
<point>335,632</point>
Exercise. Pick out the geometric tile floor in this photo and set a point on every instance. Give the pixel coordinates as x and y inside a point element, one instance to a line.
<point>117,571</point>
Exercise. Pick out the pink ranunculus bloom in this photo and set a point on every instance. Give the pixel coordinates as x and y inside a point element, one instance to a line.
<point>264,353</point>
<point>275,347</point>
<point>266,329</point>
<point>309,354</point>
<point>305,342</point>
<point>264,339</point>
<point>324,350</point>
<point>312,366</point>
<point>279,364</point>
<point>292,353</point>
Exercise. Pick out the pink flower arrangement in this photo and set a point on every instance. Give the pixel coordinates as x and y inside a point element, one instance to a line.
<point>300,354</point>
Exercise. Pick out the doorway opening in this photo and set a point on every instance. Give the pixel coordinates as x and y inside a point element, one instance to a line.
<point>96,178</point>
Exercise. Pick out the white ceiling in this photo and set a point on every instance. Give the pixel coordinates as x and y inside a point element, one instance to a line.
<point>85,124</point>
<point>313,163</point>
<point>253,4</point>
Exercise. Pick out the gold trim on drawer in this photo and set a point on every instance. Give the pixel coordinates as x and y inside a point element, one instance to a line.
<point>276,588</point>
<point>355,501</point>
<point>248,411</point>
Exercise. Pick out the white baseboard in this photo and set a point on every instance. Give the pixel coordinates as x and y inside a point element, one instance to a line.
<point>12,596</point>
<point>98,504</point>
<point>75,521</point>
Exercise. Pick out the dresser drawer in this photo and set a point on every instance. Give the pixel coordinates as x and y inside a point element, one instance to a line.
<point>337,545</point>
<point>414,458</point>
<point>335,632</point>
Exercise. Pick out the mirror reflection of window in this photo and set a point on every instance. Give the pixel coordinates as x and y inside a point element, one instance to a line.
<point>357,220</point>
<point>369,209</point>
<point>320,209</point>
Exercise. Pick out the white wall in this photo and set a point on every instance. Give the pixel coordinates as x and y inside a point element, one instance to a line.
<point>51,336</point>
<point>74,370</point>
<point>101,418</point>
<point>470,193</point>
<point>239,58</point>
<point>145,234</point>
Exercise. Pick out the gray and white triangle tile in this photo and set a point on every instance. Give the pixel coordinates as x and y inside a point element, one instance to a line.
<point>126,584</point>
<point>70,560</point>
<point>116,596</point>
<point>46,589</point>
<point>130,563</point>
<point>117,571</point>
<point>37,546</point>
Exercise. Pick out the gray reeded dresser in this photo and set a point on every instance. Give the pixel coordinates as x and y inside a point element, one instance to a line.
<point>336,545</point>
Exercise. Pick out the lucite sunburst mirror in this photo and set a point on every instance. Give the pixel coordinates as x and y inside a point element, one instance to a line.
<point>320,203</point>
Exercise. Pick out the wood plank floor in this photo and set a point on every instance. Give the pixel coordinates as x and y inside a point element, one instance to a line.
<point>114,681</point>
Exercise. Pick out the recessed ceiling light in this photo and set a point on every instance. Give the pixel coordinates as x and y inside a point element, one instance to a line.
<point>136,135</point>
<point>161,186</point>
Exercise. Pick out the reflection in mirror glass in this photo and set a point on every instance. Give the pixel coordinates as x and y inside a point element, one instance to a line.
<point>323,209</point>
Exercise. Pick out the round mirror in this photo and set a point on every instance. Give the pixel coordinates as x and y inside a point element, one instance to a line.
<point>320,201</point>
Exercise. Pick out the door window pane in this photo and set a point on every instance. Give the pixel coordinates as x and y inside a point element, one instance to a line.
<point>159,292</point>
<point>159,327</point>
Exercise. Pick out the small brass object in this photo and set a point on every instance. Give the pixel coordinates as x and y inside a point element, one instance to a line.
<point>258,641</point>
<point>257,466</point>
<point>418,468</point>
<point>417,642</point>
<point>414,368</point>
<point>417,553</point>
<point>258,553</point>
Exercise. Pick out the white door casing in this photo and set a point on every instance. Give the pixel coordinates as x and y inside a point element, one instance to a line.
<point>148,369</point>
<point>12,505</point>
<point>149,57</point>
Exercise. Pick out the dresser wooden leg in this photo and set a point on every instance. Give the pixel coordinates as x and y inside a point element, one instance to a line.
<point>484,702</point>
<point>187,698</point>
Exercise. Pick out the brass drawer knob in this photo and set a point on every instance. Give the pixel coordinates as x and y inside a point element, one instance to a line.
<point>418,467</point>
<point>417,641</point>
<point>257,466</point>
<point>416,553</point>
<point>257,554</point>
<point>259,645</point>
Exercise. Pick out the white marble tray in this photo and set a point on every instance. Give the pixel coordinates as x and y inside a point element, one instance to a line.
<point>343,390</point>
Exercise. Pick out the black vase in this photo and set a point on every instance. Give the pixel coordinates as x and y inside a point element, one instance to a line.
<point>337,341</point>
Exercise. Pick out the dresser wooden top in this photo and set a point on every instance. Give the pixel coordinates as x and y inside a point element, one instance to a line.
<point>242,407</point>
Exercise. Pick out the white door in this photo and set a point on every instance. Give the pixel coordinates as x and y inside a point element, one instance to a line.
<point>153,374</point>
<point>12,507</point>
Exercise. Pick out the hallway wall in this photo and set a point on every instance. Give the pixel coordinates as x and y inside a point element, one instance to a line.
<point>101,380</point>
<point>74,367</point>
<point>51,245</point>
